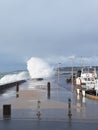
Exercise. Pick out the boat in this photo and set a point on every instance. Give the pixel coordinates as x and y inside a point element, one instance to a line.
<point>87,78</point>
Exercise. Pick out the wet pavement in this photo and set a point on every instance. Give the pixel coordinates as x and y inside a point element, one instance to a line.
<point>46,125</point>
<point>53,110</point>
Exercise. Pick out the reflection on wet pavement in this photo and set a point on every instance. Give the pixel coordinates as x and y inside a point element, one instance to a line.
<point>24,104</point>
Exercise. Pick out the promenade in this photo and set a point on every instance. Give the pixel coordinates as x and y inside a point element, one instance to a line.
<point>31,108</point>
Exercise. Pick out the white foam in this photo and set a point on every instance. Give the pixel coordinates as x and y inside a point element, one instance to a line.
<point>9,78</point>
<point>38,68</point>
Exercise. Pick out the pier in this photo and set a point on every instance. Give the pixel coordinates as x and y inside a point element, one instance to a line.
<point>34,105</point>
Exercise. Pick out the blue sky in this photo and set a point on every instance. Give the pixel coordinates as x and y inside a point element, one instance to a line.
<point>50,29</point>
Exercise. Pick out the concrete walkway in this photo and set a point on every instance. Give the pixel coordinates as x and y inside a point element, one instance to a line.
<point>46,125</point>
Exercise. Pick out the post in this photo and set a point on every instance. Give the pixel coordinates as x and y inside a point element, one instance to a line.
<point>38,107</point>
<point>48,89</point>
<point>17,87</point>
<point>17,90</point>
<point>58,71</point>
<point>72,58</point>
<point>72,77</point>
<point>69,108</point>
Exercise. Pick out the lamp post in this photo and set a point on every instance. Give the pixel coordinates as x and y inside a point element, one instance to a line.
<point>72,58</point>
<point>72,73</point>
<point>58,71</point>
<point>58,79</point>
<point>69,100</point>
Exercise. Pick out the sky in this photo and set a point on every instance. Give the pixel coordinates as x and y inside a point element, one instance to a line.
<point>54,30</point>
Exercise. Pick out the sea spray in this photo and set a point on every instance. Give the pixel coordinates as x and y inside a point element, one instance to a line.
<point>38,68</point>
<point>9,78</point>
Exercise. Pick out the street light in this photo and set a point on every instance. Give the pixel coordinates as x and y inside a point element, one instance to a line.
<point>72,58</point>
<point>72,73</point>
<point>58,71</point>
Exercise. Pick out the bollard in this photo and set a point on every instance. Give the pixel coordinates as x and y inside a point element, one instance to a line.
<point>17,95</point>
<point>38,115</point>
<point>17,87</point>
<point>17,90</point>
<point>38,112</point>
<point>48,89</point>
<point>69,108</point>
<point>38,104</point>
<point>7,111</point>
